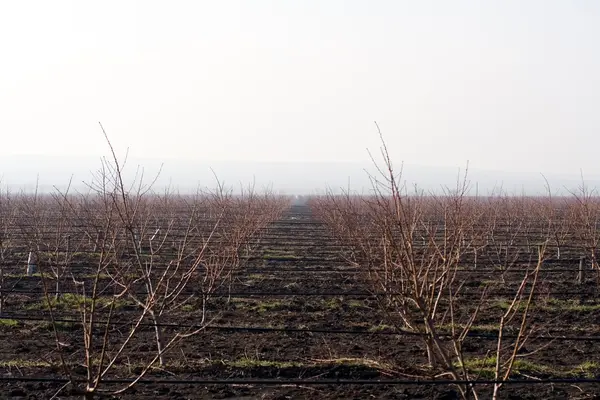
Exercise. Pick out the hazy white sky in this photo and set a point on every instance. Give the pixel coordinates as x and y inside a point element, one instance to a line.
<point>507,85</point>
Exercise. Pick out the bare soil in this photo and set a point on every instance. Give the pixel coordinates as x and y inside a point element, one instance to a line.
<point>300,262</point>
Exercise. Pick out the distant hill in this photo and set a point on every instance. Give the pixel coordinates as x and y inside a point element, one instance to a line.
<point>21,172</point>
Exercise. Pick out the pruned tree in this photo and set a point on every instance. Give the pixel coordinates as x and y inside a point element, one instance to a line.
<point>153,253</point>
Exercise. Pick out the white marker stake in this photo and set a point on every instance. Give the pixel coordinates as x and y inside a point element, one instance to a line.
<point>31,264</point>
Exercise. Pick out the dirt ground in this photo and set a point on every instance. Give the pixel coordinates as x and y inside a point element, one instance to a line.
<point>300,262</point>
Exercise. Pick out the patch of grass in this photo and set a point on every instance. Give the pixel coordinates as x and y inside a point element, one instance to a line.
<point>72,301</point>
<point>260,306</point>
<point>36,274</point>
<point>24,364</point>
<point>486,366</point>
<point>529,367</point>
<point>86,254</point>
<point>505,304</point>
<point>332,303</point>
<point>381,327</point>
<point>93,276</point>
<point>265,306</point>
<point>11,275</point>
<point>484,328</point>
<point>356,362</point>
<point>257,305</point>
<point>553,304</point>
<point>588,368</point>
<point>240,303</point>
<point>279,254</point>
<point>60,326</point>
<point>247,362</point>
<point>588,365</point>
<point>9,323</point>
<point>355,303</point>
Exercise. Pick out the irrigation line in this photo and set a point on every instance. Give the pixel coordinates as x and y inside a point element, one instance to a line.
<point>309,294</point>
<point>302,330</point>
<point>304,269</point>
<point>280,382</point>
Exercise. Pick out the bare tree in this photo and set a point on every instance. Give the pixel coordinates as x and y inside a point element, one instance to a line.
<point>413,247</point>
<point>154,252</point>
<point>7,231</point>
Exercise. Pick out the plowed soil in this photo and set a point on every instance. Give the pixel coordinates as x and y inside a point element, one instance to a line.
<point>314,291</point>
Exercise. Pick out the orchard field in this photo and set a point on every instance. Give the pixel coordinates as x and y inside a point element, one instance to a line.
<point>124,292</point>
<point>308,300</point>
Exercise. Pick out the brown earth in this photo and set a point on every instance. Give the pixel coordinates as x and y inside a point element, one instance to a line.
<point>299,257</point>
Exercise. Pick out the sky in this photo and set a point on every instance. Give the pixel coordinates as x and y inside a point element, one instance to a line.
<point>512,87</point>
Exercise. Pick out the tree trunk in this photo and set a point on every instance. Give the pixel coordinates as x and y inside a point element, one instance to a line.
<point>56,295</point>
<point>431,359</point>
<point>159,338</point>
